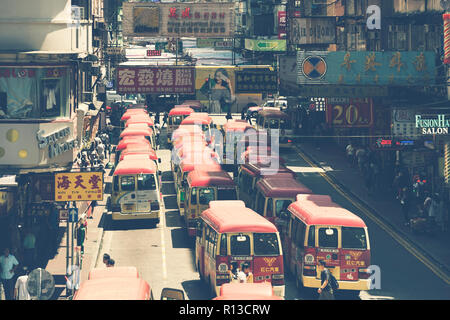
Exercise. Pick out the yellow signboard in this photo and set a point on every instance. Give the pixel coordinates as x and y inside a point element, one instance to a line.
<point>78,186</point>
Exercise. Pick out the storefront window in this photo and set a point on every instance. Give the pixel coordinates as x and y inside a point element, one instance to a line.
<point>34,93</point>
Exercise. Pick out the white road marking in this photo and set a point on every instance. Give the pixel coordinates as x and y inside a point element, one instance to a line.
<point>163,244</point>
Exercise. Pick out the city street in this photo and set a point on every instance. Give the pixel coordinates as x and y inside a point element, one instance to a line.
<point>165,255</point>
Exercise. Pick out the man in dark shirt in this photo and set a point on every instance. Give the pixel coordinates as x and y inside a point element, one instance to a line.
<point>325,291</point>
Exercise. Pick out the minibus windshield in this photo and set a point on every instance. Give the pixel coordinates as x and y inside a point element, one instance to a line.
<point>240,245</point>
<point>353,238</point>
<point>146,182</point>
<point>127,183</point>
<point>226,194</point>
<point>266,244</point>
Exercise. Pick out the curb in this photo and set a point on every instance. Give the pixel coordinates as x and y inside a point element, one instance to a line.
<point>428,255</point>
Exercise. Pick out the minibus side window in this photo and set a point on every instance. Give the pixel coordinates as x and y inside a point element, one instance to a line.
<point>281,205</point>
<point>177,120</point>
<point>127,183</point>
<point>328,240</point>
<point>261,201</point>
<point>311,236</point>
<point>116,183</point>
<point>269,211</point>
<point>194,196</point>
<point>353,238</point>
<point>240,245</point>
<point>223,245</point>
<point>299,237</point>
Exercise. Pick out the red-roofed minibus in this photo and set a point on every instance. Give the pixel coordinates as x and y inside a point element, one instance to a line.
<point>317,229</point>
<point>189,163</point>
<point>202,186</point>
<point>117,288</point>
<point>247,291</point>
<point>140,129</point>
<point>136,189</point>
<point>175,117</point>
<point>229,233</point>
<point>194,104</point>
<point>120,272</point>
<point>204,121</point>
<point>250,173</point>
<point>274,194</point>
<point>233,132</point>
<point>141,113</point>
<point>142,120</point>
<point>183,131</point>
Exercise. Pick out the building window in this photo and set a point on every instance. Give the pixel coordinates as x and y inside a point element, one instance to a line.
<point>50,97</point>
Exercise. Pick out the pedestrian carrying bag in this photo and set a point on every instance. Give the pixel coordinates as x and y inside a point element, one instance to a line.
<point>333,282</point>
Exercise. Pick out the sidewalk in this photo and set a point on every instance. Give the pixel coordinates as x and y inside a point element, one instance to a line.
<point>383,203</point>
<point>57,265</point>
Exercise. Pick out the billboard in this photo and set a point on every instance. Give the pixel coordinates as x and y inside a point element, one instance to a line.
<point>204,20</point>
<point>349,112</point>
<point>160,79</point>
<point>78,186</point>
<point>366,68</point>
<point>265,45</point>
<point>256,81</point>
<point>313,30</point>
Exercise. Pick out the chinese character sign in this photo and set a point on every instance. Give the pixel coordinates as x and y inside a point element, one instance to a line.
<point>256,82</point>
<point>78,186</point>
<point>178,19</point>
<point>362,68</point>
<point>352,112</point>
<point>163,79</point>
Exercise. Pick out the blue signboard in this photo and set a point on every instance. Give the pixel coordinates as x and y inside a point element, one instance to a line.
<point>402,68</point>
<point>73,214</point>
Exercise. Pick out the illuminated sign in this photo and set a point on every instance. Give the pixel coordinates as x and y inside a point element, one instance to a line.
<point>433,124</point>
<point>153,53</point>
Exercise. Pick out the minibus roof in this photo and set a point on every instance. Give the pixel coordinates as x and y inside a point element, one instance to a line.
<point>133,112</point>
<point>247,291</point>
<point>150,153</point>
<point>114,289</point>
<point>116,272</point>
<point>236,125</point>
<point>273,114</point>
<point>135,164</point>
<point>317,210</point>
<point>137,130</point>
<point>195,104</point>
<point>201,178</point>
<point>234,219</point>
<point>281,186</point>
<point>205,162</point>
<point>197,118</point>
<point>186,130</point>
<point>180,111</point>
<point>257,169</point>
<point>128,140</point>
<point>192,149</point>
<point>140,119</point>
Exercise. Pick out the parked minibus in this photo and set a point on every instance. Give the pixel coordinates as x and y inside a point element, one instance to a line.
<point>202,187</point>
<point>141,113</point>
<point>194,104</point>
<point>250,173</point>
<point>204,121</point>
<point>136,189</point>
<point>276,119</point>
<point>229,233</point>
<point>233,132</point>
<point>319,229</point>
<point>274,194</point>
<point>185,130</point>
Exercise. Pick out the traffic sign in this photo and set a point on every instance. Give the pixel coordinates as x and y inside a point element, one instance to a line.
<point>73,214</point>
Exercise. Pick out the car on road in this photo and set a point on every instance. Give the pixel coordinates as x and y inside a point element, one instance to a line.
<point>275,104</point>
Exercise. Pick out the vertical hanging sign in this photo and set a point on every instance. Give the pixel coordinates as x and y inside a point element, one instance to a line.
<point>446,18</point>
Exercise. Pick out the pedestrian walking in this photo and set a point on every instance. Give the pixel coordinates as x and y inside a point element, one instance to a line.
<point>325,291</point>
<point>106,258</point>
<point>8,265</point>
<point>400,182</point>
<point>20,288</point>
<point>29,247</point>
<point>361,157</point>
<point>405,202</point>
<point>350,152</point>
<point>81,232</point>
<point>165,118</point>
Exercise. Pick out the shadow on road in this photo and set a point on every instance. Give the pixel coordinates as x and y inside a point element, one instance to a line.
<point>196,290</point>
<point>173,219</point>
<point>181,239</point>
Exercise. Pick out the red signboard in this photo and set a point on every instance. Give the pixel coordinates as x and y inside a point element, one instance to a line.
<point>161,79</point>
<point>153,53</point>
<point>282,24</point>
<point>349,112</point>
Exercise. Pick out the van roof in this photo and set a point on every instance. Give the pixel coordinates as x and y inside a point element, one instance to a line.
<point>180,111</point>
<point>121,272</point>
<point>259,169</point>
<point>130,112</point>
<point>320,210</point>
<point>236,125</point>
<point>117,288</point>
<point>247,291</point>
<point>138,129</point>
<point>128,140</point>
<point>197,118</point>
<point>273,113</point>
<point>135,119</point>
<point>202,178</point>
<point>233,218</point>
<point>135,164</point>
<point>150,153</point>
<point>190,163</point>
<point>281,186</point>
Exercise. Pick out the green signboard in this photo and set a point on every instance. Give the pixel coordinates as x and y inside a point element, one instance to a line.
<point>265,45</point>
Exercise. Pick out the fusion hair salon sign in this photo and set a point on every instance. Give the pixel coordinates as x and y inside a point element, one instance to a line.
<point>433,124</point>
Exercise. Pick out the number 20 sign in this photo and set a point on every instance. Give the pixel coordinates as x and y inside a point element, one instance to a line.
<point>350,113</point>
